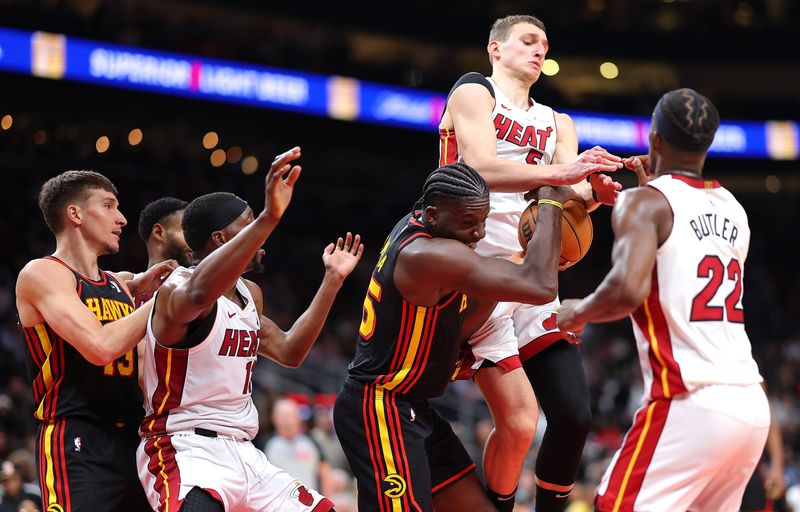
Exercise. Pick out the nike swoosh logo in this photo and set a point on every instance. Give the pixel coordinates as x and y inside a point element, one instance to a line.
<point>563,495</point>
<point>231,315</point>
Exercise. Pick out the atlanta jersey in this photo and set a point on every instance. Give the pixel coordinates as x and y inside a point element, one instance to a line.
<point>65,384</point>
<point>403,347</point>
<point>207,386</point>
<point>690,329</point>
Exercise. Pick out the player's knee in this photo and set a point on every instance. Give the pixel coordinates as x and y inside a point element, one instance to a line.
<point>519,426</point>
<point>576,420</point>
<point>200,500</point>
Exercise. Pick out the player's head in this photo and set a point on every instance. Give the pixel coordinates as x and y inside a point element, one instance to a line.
<point>455,201</point>
<point>211,220</point>
<point>84,201</point>
<point>683,126</point>
<point>518,44</point>
<point>160,229</point>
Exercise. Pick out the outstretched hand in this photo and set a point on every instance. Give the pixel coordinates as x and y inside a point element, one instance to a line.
<point>341,258</point>
<point>641,166</point>
<point>146,283</point>
<point>589,162</point>
<point>279,183</point>
<point>604,189</point>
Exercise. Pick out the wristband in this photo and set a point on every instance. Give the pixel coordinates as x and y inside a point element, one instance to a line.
<point>550,201</point>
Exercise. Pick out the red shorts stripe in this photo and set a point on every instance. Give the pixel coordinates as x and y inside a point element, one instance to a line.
<point>634,458</point>
<point>163,467</point>
<point>373,443</point>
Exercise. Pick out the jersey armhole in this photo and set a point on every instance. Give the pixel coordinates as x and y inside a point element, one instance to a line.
<point>671,210</point>
<point>472,78</point>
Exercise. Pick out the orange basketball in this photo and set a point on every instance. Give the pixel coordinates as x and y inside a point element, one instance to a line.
<point>576,231</point>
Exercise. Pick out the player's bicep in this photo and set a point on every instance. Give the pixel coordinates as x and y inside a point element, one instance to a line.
<point>51,292</point>
<point>566,150</point>
<point>471,107</point>
<point>272,340</point>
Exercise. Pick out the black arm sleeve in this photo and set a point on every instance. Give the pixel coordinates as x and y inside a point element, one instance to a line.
<point>472,78</point>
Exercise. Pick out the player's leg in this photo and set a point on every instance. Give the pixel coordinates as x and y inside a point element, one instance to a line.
<point>200,500</point>
<point>510,397</point>
<point>455,485</point>
<point>384,441</point>
<point>515,414</point>
<point>558,379</point>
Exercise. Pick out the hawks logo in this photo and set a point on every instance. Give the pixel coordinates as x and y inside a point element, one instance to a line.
<point>55,507</point>
<point>397,486</point>
<point>301,493</point>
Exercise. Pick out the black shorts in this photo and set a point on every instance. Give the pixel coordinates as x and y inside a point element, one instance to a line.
<point>401,452</point>
<point>86,467</point>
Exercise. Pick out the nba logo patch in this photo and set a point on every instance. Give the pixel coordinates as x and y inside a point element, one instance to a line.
<point>77,443</point>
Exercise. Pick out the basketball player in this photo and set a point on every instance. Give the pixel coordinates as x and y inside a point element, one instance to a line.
<point>82,364</point>
<point>161,231</point>
<point>420,300</point>
<point>518,144</point>
<point>678,266</point>
<point>202,341</point>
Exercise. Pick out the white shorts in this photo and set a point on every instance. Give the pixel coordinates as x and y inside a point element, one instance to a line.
<point>233,471</point>
<point>513,333</point>
<point>693,453</point>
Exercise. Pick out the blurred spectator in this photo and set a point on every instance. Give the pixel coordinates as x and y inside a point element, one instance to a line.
<point>13,494</point>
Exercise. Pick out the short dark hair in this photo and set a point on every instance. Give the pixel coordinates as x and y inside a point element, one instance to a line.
<point>455,181</point>
<point>501,28</point>
<point>68,187</point>
<point>209,213</point>
<point>686,119</point>
<point>156,212</point>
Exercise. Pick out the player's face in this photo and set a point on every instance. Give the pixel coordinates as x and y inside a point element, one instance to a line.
<point>463,220</point>
<point>523,53</point>
<point>176,247</point>
<point>102,221</point>
<point>245,219</point>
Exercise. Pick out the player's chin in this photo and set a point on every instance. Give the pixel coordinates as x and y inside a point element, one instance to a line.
<point>111,248</point>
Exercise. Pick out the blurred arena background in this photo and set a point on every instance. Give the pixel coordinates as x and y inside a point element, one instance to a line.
<point>361,93</point>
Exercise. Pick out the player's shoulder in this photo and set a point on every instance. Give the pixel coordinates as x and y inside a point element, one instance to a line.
<point>45,270</point>
<point>252,287</point>
<point>472,78</point>
<point>178,277</point>
<point>425,252</point>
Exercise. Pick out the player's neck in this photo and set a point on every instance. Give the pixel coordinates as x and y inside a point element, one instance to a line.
<point>516,90</point>
<point>79,256</point>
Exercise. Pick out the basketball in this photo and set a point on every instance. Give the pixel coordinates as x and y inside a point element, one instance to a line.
<point>576,231</point>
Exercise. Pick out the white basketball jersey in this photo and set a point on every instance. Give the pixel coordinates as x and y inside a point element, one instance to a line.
<point>207,386</point>
<point>525,136</point>
<point>690,329</point>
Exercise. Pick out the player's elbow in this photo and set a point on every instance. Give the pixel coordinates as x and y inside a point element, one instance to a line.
<point>630,294</point>
<point>97,353</point>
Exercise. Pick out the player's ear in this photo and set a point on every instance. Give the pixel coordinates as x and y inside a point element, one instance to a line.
<point>74,213</point>
<point>158,232</point>
<point>431,215</point>
<point>218,238</point>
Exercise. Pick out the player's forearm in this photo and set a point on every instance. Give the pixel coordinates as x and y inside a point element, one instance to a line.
<point>511,176</point>
<point>613,299</point>
<point>775,445</point>
<point>306,329</point>
<point>540,265</point>
<point>118,337</point>
<point>218,272</point>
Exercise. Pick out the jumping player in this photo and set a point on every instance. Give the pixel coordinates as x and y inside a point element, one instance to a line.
<point>81,333</point>
<point>202,341</point>
<point>420,302</point>
<point>678,268</point>
<point>517,144</point>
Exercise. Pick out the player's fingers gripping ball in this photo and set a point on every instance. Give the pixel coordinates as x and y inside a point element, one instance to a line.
<point>576,231</point>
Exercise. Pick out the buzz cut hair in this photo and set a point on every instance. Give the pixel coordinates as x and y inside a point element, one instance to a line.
<point>156,212</point>
<point>69,187</point>
<point>501,28</point>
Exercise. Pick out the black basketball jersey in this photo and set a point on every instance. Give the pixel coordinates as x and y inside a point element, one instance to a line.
<point>65,385</point>
<point>402,347</point>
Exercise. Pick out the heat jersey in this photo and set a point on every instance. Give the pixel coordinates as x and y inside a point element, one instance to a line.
<point>65,385</point>
<point>690,329</point>
<point>209,385</point>
<point>403,347</point>
<point>522,135</point>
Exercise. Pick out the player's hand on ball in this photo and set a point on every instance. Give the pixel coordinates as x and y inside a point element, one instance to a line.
<point>562,194</point>
<point>279,183</point>
<point>567,319</point>
<point>341,258</point>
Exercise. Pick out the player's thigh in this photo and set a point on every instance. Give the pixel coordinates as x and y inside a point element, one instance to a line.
<point>447,458</point>
<point>509,395</point>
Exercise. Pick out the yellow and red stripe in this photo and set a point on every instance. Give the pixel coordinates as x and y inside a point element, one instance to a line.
<point>163,466</point>
<point>649,317</point>
<point>53,479</point>
<point>635,456</point>
<point>171,366</point>
<point>448,147</point>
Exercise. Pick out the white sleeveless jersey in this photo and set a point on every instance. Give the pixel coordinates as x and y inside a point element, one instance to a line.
<point>207,386</point>
<point>690,329</point>
<point>525,136</point>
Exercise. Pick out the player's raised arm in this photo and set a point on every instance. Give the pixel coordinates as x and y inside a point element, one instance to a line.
<point>291,347</point>
<point>46,293</point>
<point>219,271</point>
